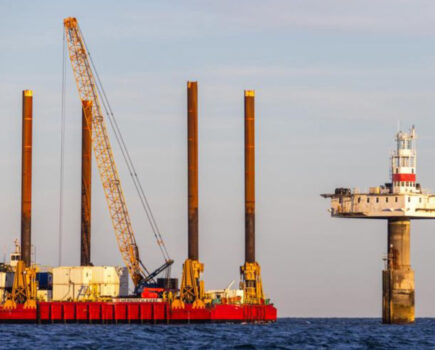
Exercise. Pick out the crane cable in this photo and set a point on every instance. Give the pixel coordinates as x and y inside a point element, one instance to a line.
<point>128,161</point>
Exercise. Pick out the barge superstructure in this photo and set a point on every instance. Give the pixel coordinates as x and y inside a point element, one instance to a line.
<point>99,294</point>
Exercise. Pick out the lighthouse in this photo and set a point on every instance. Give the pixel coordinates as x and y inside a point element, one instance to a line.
<point>397,201</point>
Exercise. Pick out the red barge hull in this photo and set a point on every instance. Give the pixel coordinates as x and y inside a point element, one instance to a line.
<point>136,312</point>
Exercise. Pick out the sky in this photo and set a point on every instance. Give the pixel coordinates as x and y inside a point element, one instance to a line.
<point>333,79</point>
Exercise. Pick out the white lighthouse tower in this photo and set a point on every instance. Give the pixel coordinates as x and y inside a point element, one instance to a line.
<point>403,163</point>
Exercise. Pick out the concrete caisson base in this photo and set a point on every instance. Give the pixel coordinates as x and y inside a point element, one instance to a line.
<point>398,296</point>
<point>398,280</point>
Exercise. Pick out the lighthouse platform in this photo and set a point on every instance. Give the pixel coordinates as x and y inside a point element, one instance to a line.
<point>379,203</point>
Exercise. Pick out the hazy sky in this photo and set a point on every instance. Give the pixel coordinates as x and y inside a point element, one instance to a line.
<point>332,79</point>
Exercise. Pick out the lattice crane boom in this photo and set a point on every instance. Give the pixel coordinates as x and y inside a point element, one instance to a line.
<point>88,92</point>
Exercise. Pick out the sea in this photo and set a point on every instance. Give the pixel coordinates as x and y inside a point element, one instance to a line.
<point>286,333</point>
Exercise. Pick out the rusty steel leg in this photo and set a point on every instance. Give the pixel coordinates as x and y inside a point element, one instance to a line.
<point>398,279</point>
<point>250,271</point>
<point>192,160</point>
<point>85,251</point>
<point>192,288</point>
<point>26,178</point>
<point>249,176</point>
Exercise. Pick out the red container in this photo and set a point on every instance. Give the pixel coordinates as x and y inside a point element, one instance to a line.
<point>56,312</point>
<point>133,310</point>
<point>120,312</point>
<point>44,312</point>
<point>107,314</point>
<point>69,312</point>
<point>82,314</point>
<point>146,312</point>
<point>94,312</point>
<point>159,312</point>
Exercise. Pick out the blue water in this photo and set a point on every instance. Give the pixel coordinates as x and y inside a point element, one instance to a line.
<point>290,333</point>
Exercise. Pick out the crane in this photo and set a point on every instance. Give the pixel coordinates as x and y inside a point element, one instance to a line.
<point>90,90</point>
